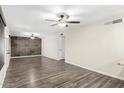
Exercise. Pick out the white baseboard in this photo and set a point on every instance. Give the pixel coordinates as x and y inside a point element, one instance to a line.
<point>50,57</point>
<point>101,72</point>
<point>26,56</point>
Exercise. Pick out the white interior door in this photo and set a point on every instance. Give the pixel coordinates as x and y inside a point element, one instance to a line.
<point>61,47</point>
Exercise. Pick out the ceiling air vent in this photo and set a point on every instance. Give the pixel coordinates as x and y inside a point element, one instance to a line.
<point>114,22</point>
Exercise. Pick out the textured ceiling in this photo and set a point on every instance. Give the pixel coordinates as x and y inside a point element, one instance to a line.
<point>31,18</point>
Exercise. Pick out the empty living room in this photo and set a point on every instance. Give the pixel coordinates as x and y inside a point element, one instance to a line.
<point>61,46</point>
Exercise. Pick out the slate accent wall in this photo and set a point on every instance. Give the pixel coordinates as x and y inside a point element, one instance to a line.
<point>24,46</point>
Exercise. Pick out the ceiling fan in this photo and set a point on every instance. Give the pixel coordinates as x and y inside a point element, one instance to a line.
<point>62,20</point>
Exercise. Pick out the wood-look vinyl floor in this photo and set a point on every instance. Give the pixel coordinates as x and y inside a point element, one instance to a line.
<point>43,72</point>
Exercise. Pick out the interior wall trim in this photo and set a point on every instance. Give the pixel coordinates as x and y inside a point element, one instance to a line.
<point>25,56</point>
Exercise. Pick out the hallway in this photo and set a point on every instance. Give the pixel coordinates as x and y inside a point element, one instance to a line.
<point>45,72</point>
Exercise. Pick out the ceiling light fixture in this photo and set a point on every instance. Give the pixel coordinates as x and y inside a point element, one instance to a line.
<point>62,20</point>
<point>62,24</point>
<point>32,36</point>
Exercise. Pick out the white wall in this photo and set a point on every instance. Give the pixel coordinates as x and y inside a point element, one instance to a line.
<point>4,69</point>
<point>97,47</point>
<point>50,46</point>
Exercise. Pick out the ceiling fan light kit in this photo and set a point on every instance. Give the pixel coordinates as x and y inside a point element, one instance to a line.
<point>62,20</point>
<point>62,24</point>
<point>32,36</point>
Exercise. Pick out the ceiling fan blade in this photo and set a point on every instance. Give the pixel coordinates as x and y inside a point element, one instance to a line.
<point>72,21</point>
<point>51,20</point>
<point>54,24</point>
